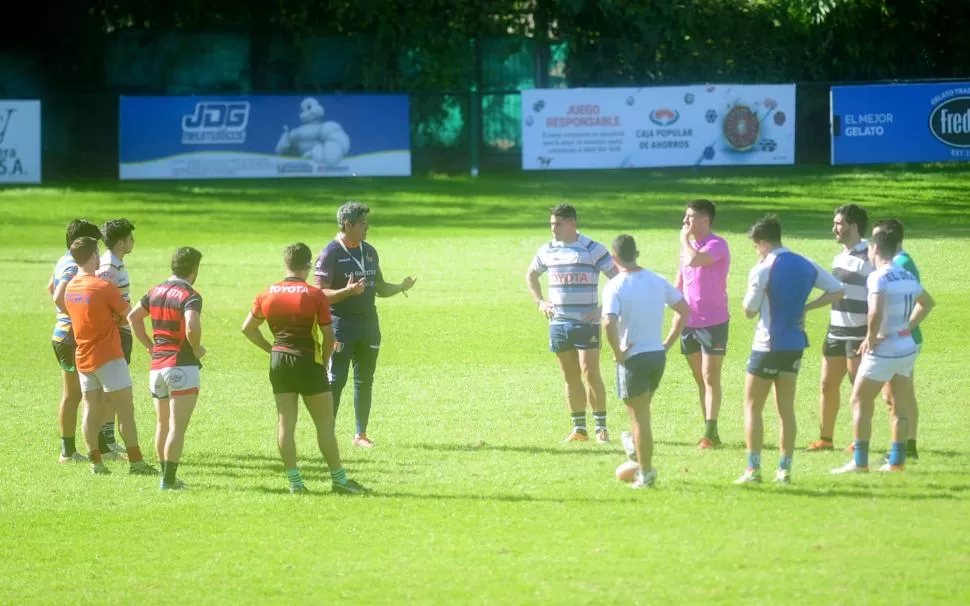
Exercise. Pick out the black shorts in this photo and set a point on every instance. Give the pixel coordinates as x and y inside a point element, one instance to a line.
<point>126,342</point>
<point>767,364</point>
<point>841,348</point>
<point>711,339</point>
<point>64,352</point>
<point>291,373</point>
<point>640,374</point>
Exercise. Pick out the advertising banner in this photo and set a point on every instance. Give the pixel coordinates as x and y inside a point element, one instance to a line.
<point>252,137</point>
<point>20,143</point>
<point>880,124</point>
<point>715,125</point>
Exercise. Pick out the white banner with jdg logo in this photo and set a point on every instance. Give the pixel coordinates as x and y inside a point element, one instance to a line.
<point>20,142</point>
<point>716,125</point>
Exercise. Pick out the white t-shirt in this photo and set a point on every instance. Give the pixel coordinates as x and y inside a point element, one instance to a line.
<point>900,289</point>
<point>638,299</point>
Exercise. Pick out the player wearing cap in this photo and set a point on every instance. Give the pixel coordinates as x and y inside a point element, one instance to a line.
<point>778,289</point>
<point>349,273</point>
<point>298,315</point>
<point>633,316</point>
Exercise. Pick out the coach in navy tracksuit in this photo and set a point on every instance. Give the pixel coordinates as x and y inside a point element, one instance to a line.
<point>348,271</point>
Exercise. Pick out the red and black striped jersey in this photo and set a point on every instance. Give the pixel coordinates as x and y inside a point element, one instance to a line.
<point>295,311</point>
<point>167,304</point>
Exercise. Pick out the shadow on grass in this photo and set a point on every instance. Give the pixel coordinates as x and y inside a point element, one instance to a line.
<point>930,199</point>
<point>505,498</point>
<point>945,494</point>
<point>579,450</point>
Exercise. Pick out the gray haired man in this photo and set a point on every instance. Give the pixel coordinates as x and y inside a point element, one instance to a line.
<point>348,271</point>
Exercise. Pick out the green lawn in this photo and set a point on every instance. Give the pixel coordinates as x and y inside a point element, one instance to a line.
<point>477,500</point>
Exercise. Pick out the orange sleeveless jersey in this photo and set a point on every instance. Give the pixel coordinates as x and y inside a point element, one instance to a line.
<point>94,306</point>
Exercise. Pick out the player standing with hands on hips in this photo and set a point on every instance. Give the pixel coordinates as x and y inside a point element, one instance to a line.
<point>349,273</point>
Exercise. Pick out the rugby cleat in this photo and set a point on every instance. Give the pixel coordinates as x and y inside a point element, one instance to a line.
<point>100,469</point>
<point>850,467</point>
<point>602,436</point>
<point>750,476</point>
<point>819,445</point>
<point>645,480</point>
<point>118,448</point>
<point>351,487</point>
<point>141,468</point>
<point>362,441</point>
<point>298,489</point>
<point>177,485</point>
<point>575,436</point>
<point>706,443</point>
<point>783,476</point>
<point>74,458</point>
<point>888,468</point>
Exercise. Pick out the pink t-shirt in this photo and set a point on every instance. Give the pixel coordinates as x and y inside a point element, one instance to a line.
<point>705,288</point>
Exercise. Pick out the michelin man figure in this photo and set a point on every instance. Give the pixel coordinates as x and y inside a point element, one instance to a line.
<point>325,143</point>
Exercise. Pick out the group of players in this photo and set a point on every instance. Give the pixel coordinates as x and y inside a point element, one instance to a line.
<point>319,331</point>
<point>876,305</point>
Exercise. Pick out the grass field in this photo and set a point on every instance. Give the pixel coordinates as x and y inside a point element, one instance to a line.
<point>477,500</point>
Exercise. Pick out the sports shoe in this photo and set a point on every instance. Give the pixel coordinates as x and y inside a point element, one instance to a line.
<point>850,467</point>
<point>118,448</point>
<point>819,445</point>
<point>783,476</point>
<point>298,489</point>
<point>750,476</point>
<point>178,485</point>
<point>645,480</point>
<point>74,458</point>
<point>361,440</point>
<point>892,468</point>
<point>351,487</point>
<point>626,439</point>
<point>141,468</point>
<point>602,436</point>
<point>706,444</point>
<point>100,469</point>
<point>850,449</point>
<point>575,436</point>
<point>111,455</point>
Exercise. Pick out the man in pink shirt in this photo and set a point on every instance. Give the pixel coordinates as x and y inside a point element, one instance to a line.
<point>704,264</point>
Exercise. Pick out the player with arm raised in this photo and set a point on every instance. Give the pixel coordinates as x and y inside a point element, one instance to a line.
<point>633,317</point>
<point>574,263</point>
<point>705,261</point>
<point>778,289</point>
<point>298,316</point>
<point>897,304</point>
<point>349,273</point>
<point>175,309</point>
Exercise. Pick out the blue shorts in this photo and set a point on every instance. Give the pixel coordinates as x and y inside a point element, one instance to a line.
<point>640,374</point>
<point>767,364</point>
<point>570,336</point>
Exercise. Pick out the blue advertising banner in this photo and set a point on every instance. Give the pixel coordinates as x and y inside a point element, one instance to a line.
<point>879,124</point>
<point>242,137</point>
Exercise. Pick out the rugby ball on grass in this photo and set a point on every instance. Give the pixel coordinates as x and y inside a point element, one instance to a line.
<point>627,471</point>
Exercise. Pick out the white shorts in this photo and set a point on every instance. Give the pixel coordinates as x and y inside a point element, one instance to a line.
<point>112,376</point>
<point>884,369</point>
<point>174,382</point>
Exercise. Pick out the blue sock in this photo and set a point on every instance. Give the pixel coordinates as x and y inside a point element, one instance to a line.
<point>862,453</point>
<point>754,460</point>
<point>785,462</point>
<point>897,453</point>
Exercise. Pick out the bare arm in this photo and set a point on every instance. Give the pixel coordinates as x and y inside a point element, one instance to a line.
<point>250,328</point>
<point>681,313</point>
<point>695,258</point>
<point>193,332</point>
<point>328,342</point>
<point>59,294</point>
<point>535,289</point>
<point>354,287</point>
<point>136,319</point>
<point>924,304</point>
<point>679,281</point>
<point>877,308</point>
<point>50,288</point>
<point>611,326</point>
<point>825,299</point>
